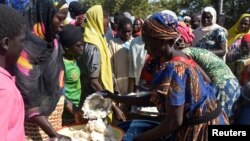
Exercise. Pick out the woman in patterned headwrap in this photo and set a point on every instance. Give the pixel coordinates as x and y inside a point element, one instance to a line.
<point>40,70</point>
<point>178,88</point>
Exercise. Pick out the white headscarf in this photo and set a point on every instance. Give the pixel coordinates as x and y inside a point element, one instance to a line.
<point>201,31</point>
<point>212,11</point>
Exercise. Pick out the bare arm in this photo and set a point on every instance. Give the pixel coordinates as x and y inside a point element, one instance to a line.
<point>221,51</point>
<point>95,84</point>
<point>118,112</point>
<point>172,122</point>
<point>45,125</point>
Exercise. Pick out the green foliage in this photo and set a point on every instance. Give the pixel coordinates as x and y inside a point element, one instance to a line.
<point>141,8</point>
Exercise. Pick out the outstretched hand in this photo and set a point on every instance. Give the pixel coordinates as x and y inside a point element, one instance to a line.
<point>119,114</point>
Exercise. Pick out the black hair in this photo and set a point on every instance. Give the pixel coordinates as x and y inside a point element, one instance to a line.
<point>77,8</point>
<point>12,22</point>
<point>70,35</point>
<point>124,21</point>
<point>194,14</point>
<point>118,17</point>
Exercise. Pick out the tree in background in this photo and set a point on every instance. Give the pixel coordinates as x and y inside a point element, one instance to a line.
<point>142,8</point>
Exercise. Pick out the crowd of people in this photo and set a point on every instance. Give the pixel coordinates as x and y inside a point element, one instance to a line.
<point>197,73</point>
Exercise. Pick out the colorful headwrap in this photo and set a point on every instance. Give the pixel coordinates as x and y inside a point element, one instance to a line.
<point>186,34</point>
<point>19,5</point>
<point>39,15</point>
<point>161,25</point>
<point>61,4</point>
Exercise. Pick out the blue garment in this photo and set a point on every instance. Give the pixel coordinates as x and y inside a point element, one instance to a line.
<point>126,45</point>
<point>211,40</point>
<point>180,84</point>
<point>19,5</point>
<point>228,93</point>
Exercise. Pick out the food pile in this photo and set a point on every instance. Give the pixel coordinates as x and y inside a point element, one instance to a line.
<point>95,130</point>
<point>96,108</point>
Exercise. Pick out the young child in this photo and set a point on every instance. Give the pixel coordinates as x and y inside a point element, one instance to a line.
<point>12,36</point>
<point>72,42</point>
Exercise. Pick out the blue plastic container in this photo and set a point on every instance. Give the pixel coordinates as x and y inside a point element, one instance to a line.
<point>134,127</point>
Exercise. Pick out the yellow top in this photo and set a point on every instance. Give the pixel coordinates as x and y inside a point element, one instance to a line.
<point>234,32</point>
<point>94,34</point>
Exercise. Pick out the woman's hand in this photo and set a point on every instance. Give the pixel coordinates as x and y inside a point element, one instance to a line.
<point>118,113</point>
<point>79,118</point>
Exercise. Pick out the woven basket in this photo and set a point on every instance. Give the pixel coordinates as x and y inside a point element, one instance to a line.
<point>35,133</point>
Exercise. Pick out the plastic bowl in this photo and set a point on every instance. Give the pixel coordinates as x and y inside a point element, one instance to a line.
<point>134,127</point>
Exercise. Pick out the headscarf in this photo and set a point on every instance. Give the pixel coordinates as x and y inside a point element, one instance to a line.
<point>186,18</point>
<point>39,14</point>
<point>94,34</point>
<point>161,25</point>
<point>234,32</point>
<point>19,5</point>
<point>201,31</point>
<point>212,11</point>
<point>39,70</point>
<point>185,33</point>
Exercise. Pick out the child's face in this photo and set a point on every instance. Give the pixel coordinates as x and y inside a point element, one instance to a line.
<point>76,49</point>
<point>187,22</point>
<point>15,46</point>
<point>245,48</point>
